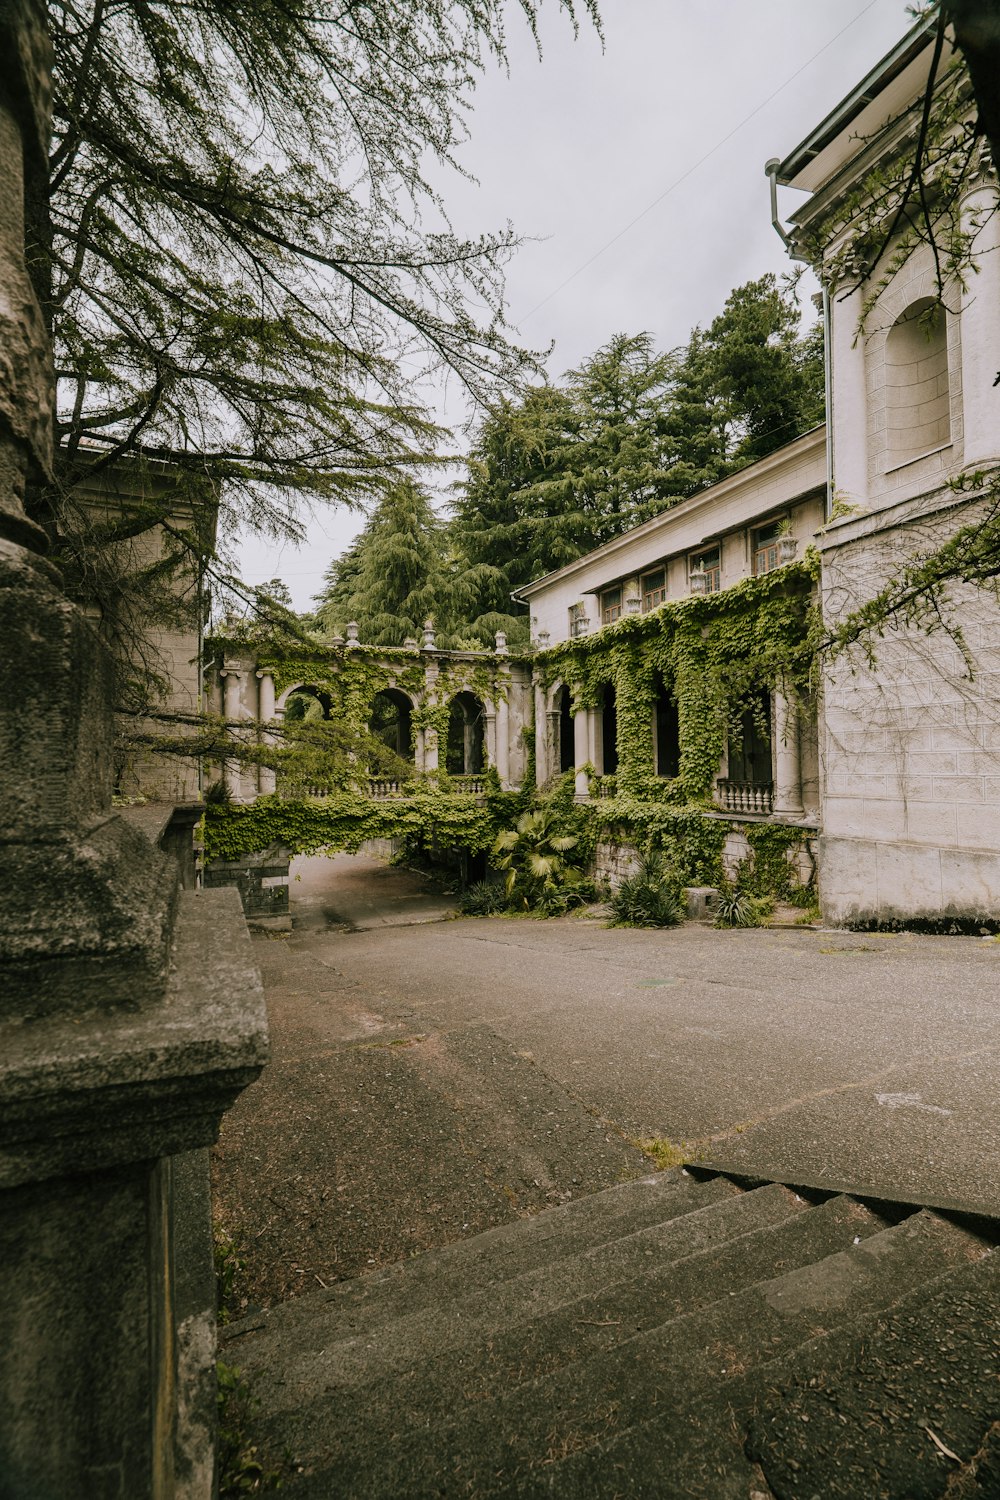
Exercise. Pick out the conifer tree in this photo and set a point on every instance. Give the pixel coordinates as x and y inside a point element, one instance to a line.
<point>394,576</point>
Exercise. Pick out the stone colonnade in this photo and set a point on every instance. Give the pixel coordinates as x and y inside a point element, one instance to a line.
<point>794,753</point>
<point>245,694</point>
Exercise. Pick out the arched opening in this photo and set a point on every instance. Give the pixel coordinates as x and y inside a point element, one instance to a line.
<point>464,755</point>
<point>609,731</point>
<point>307,704</point>
<point>567,734</point>
<point>392,721</point>
<point>918,396</point>
<point>668,733</point>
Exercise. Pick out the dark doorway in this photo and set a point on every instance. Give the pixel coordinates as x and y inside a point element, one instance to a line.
<point>567,732</point>
<point>668,734</point>
<point>464,755</point>
<point>750,748</point>
<point>392,721</point>
<point>609,731</point>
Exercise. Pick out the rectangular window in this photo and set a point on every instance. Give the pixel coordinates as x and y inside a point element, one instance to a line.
<point>711,564</point>
<point>578,621</point>
<point>611,606</point>
<point>654,590</point>
<point>765,548</point>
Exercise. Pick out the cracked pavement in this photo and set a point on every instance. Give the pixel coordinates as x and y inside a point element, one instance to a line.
<point>420,1070</point>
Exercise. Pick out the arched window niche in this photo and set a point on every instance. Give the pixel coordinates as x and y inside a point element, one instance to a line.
<point>464,755</point>
<point>918,393</point>
<point>392,721</point>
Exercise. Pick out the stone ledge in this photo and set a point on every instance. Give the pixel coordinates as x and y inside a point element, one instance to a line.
<point>81,1093</point>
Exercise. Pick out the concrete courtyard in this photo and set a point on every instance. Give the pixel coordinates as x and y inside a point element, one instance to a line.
<point>434,1076</point>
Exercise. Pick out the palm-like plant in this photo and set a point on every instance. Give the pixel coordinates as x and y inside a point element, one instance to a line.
<point>540,877</point>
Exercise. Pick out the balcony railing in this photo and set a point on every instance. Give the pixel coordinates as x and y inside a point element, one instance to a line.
<point>382,787</point>
<point>472,786</point>
<point>746,796</point>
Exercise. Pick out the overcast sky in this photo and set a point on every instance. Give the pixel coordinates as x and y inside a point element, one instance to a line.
<point>639,171</point>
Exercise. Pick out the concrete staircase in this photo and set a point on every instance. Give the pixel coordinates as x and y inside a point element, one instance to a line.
<point>675,1336</point>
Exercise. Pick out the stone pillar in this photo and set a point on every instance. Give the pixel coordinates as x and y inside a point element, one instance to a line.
<point>787,756</point>
<point>266,781</point>
<point>581,750</point>
<point>849,417</point>
<point>232,776</point>
<point>595,739</point>
<point>553,744</point>
<point>503,740</point>
<point>130,1012</point>
<point>489,738</point>
<point>543,732</point>
<point>980,301</point>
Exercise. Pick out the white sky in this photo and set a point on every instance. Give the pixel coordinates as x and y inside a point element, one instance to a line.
<point>656,144</point>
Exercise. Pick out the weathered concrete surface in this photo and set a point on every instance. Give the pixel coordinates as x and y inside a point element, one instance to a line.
<point>353,890</point>
<point>431,1080</point>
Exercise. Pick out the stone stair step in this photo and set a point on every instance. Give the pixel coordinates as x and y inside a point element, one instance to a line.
<point>854,1422</point>
<point>697,1450</point>
<point>518,1441</point>
<point>410,1367</point>
<point>495,1256</point>
<point>929,1365</point>
<point>474,1350</point>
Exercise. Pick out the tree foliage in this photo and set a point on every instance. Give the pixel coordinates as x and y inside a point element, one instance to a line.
<point>249,267</point>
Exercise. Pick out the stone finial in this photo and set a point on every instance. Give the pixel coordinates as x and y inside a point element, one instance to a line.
<point>501,644</point>
<point>633,604</point>
<point>787,547</point>
<point>337,640</point>
<point>698,581</point>
<point>428,635</point>
<point>543,640</point>
<point>411,643</point>
<point>352,632</point>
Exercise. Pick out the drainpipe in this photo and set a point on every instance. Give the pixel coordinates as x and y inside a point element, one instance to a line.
<point>771,172</point>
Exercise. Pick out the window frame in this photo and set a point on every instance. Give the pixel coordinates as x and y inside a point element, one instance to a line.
<point>649,603</point>
<point>611,613</point>
<point>765,541</point>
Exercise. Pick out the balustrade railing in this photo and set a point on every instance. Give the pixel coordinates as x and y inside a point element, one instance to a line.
<point>384,787</point>
<point>474,786</point>
<point>746,796</point>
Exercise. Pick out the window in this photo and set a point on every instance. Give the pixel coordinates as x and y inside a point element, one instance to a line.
<point>765,548</point>
<point>578,622</point>
<point>918,399</point>
<point>668,733</point>
<point>710,563</point>
<point>654,589</point>
<point>611,605</point>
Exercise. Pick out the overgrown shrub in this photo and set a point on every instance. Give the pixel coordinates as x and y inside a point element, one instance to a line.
<point>650,898</point>
<point>737,908</point>
<point>540,859</point>
<point>486,898</point>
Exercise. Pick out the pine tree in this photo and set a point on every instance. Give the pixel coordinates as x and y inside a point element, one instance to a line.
<point>394,576</point>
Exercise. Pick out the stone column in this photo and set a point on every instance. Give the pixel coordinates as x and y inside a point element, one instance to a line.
<point>232,776</point>
<point>130,1012</point>
<point>490,734</point>
<point>543,731</point>
<point>787,757</point>
<point>581,750</point>
<point>266,781</point>
<point>849,417</point>
<point>503,740</point>
<point>595,739</point>
<point>553,742</point>
<point>980,301</point>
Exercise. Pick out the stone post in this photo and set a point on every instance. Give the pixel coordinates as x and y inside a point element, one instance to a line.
<point>503,734</point>
<point>787,757</point>
<point>131,1014</point>
<point>230,676</point>
<point>490,735</point>
<point>542,751</point>
<point>581,750</point>
<point>266,781</point>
